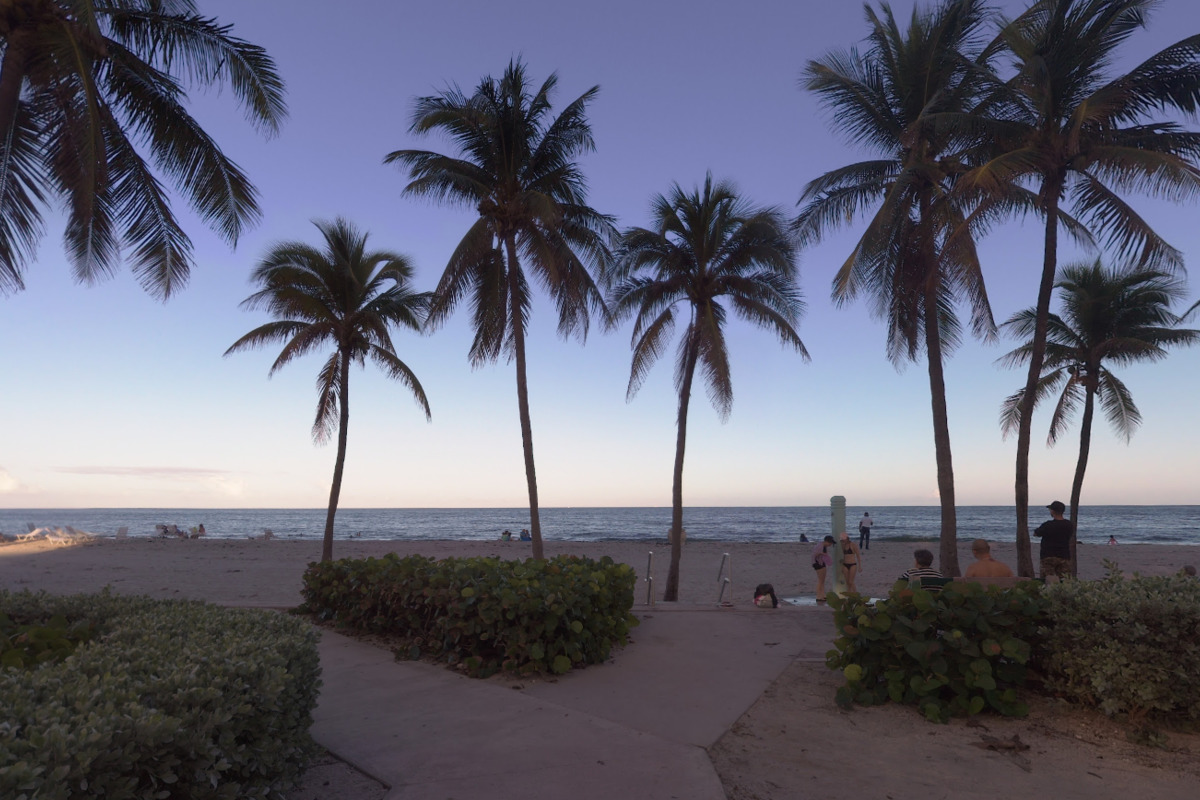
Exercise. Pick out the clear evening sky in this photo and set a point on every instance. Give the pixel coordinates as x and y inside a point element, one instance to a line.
<point>111,398</point>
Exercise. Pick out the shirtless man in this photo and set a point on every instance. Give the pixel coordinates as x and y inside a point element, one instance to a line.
<point>985,566</point>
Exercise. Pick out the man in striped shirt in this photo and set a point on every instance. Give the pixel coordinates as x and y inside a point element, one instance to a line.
<point>922,568</point>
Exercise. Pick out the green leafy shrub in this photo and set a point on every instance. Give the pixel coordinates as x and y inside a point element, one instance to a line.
<point>484,613</point>
<point>171,699</point>
<point>25,643</point>
<point>953,653</point>
<point>1125,645</point>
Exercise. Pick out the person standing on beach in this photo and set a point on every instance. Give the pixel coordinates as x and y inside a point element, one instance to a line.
<point>985,566</point>
<point>820,563</point>
<point>851,561</point>
<point>1055,552</point>
<point>864,530</point>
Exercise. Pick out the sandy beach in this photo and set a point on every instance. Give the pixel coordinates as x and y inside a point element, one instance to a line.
<point>269,573</point>
<point>769,752</point>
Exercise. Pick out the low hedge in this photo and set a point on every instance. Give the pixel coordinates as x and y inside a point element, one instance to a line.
<point>1125,645</point>
<point>171,699</point>
<point>952,653</point>
<point>486,614</point>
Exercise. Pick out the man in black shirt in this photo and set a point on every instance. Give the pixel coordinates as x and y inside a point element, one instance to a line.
<point>1056,543</point>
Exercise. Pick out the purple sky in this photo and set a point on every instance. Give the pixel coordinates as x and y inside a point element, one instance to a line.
<point>113,399</point>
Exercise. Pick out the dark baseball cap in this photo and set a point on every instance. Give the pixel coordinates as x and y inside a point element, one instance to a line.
<point>1057,506</point>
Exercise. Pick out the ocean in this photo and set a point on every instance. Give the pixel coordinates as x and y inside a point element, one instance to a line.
<point>1130,524</point>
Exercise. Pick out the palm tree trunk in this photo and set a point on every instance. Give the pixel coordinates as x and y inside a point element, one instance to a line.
<point>535,524</point>
<point>1085,448</point>
<point>335,490</point>
<point>1051,191</point>
<point>685,396</point>
<point>948,542</point>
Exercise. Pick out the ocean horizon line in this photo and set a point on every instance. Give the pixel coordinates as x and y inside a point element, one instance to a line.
<point>849,507</point>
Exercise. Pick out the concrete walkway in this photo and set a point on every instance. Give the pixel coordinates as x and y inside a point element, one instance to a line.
<point>637,726</point>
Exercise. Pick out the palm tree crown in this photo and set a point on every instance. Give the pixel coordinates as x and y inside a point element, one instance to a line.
<point>705,245</point>
<point>1109,316</point>
<point>85,87</point>
<point>345,297</point>
<point>517,167</point>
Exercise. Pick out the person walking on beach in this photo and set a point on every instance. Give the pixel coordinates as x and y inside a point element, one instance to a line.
<point>985,566</point>
<point>864,530</point>
<point>820,563</point>
<point>851,561</point>
<point>1055,552</point>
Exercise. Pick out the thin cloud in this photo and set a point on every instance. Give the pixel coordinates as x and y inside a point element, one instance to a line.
<point>168,473</point>
<point>10,485</point>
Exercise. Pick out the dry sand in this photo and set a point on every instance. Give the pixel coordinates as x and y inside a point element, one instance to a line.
<point>792,743</point>
<point>269,573</point>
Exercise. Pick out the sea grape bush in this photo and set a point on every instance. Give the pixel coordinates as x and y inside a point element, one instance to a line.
<point>485,614</point>
<point>170,699</point>
<point>1124,645</point>
<point>953,653</point>
<point>29,642</point>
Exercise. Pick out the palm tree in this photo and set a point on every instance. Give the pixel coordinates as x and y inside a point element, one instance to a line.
<point>891,99</point>
<point>1109,316</point>
<point>83,86</point>
<point>345,296</point>
<point>517,168</point>
<point>704,246</point>
<point>1083,138</point>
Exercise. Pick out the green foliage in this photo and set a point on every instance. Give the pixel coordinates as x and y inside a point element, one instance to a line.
<point>483,613</point>
<point>26,643</point>
<point>1125,645</point>
<point>170,699</point>
<point>952,653</point>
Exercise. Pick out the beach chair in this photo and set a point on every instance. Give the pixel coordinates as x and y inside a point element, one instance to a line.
<point>123,532</point>
<point>34,533</point>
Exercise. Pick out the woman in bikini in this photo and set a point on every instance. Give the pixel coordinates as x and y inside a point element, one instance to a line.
<point>820,563</point>
<point>851,561</point>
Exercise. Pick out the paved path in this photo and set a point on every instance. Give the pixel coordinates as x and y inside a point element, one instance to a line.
<point>637,726</point>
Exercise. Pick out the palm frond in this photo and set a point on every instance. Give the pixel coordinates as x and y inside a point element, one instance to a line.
<point>208,54</point>
<point>218,190</point>
<point>647,348</point>
<point>329,384</point>
<point>398,371</point>
<point>1118,405</point>
<point>21,178</point>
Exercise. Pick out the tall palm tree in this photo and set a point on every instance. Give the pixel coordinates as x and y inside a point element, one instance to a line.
<point>704,246</point>
<point>517,167</point>
<point>343,296</point>
<point>85,88</point>
<point>1082,137</point>
<point>891,98</point>
<point>1109,316</point>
